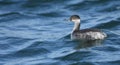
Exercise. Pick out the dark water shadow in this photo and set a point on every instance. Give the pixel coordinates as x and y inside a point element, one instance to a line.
<point>108,25</point>
<point>80,44</point>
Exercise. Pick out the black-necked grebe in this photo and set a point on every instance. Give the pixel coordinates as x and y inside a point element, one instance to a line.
<point>85,34</point>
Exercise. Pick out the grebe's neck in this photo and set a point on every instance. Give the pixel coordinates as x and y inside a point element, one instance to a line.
<point>76,25</point>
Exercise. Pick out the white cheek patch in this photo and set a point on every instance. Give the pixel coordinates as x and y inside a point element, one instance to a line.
<point>76,20</point>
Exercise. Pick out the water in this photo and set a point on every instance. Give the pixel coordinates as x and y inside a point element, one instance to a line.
<point>33,32</point>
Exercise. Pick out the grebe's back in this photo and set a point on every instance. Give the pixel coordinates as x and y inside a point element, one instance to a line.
<point>88,34</point>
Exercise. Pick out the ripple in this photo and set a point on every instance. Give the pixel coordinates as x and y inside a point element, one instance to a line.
<point>12,16</point>
<point>108,48</point>
<point>13,44</point>
<point>108,25</point>
<point>76,56</point>
<point>30,52</point>
<point>84,5</point>
<point>6,2</point>
<point>83,63</point>
<point>52,14</point>
<point>110,8</point>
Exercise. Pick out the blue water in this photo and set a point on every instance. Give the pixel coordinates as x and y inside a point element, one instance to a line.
<point>34,32</point>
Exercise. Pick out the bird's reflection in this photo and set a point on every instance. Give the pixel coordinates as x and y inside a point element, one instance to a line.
<point>79,44</point>
<point>87,43</point>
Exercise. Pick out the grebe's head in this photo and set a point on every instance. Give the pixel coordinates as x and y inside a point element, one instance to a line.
<point>75,18</point>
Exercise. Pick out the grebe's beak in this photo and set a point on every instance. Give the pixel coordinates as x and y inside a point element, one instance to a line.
<point>66,20</point>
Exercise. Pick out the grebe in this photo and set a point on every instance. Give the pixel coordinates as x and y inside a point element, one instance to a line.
<point>85,34</point>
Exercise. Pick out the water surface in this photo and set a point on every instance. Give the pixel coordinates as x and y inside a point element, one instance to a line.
<point>33,32</point>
